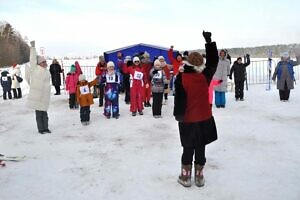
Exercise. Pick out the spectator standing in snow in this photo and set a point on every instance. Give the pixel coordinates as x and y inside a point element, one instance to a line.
<point>6,84</point>
<point>126,78</point>
<point>284,72</point>
<point>38,78</point>
<point>99,71</point>
<point>15,84</point>
<point>239,70</point>
<point>222,73</point>
<point>166,70</point>
<point>146,66</point>
<point>193,112</point>
<point>55,70</point>
<point>176,62</point>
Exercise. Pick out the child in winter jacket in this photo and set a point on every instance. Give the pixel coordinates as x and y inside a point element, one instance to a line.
<point>85,98</point>
<point>6,84</point>
<point>137,82</point>
<point>71,82</point>
<point>158,80</point>
<point>111,82</point>
<point>168,77</point>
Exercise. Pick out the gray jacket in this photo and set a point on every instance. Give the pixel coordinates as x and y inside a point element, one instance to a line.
<point>223,70</point>
<point>157,80</point>
<point>285,74</point>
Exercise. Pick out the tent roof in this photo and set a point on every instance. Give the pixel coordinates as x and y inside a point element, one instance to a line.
<point>140,44</point>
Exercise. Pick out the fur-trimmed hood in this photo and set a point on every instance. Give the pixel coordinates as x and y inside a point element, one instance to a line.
<point>188,67</point>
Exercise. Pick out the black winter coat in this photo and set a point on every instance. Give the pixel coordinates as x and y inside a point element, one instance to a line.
<point>239,70</point>
<point>55,70</point>
<point>5,81</point>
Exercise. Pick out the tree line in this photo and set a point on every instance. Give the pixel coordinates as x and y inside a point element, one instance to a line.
<point>13,48</point>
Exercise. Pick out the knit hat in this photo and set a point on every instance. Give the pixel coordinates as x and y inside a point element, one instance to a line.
<point>110,64</point>
<point>73,68</point>
<point>136,59</point>
<point>82,77</point>
<point>161,58</point>
<point>40,59</point>
<point>239,58</point>
<point>195,59</point>
<point>284,54</point>
<point>127,58</point>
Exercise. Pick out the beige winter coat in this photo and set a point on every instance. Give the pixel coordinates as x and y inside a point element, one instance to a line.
<point>16,71</point>
<point>38,79</point>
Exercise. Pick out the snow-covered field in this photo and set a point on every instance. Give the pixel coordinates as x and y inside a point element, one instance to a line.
<point>256,156</point>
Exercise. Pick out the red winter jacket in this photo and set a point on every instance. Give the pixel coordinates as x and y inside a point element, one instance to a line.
<point>176,64</point>
<point>100,69</point>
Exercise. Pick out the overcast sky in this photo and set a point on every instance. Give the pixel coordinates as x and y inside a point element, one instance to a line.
<point>90,27</point>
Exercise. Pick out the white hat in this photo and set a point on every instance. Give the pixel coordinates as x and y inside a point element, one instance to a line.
<point>136,59</point>
<point>160,58</point>
<point>110,64</point>
<point>81,77</point>
<point>40,59</point>
<point>285,54</point>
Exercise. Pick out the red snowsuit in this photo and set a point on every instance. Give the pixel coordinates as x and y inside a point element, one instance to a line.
<point>147,67</point>
<point>138,80</point>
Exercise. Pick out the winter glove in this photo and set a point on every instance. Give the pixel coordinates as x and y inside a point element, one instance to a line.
<point>179,118</point>
<point>207,36</point>
<point>247,55</point>
<point>154,71</point>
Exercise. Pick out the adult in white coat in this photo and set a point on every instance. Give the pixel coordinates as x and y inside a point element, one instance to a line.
<point>15,84</point>
<point>38,78</point>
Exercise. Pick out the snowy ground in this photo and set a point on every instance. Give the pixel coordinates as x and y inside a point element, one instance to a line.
<point>256,156</point>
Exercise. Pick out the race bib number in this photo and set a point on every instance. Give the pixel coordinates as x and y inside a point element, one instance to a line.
<point>138,75</point>
<point>158,75</point>
<point>84,89</point>
<point>110,78</point>
<point>4,78</point>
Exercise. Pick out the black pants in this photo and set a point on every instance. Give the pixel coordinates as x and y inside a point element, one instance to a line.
<point>17,93</point>
<point>85,113</point>
<point>157,103</point>
<point>8,92</point>
<point>166,94</point>
<point>188,154</point>
<point>101,94</point>
<point>284,94</point>
<point>126,86</point>
<point>72,100</point>
<point>239,89</point>
<point>57,88</point>
<point>41,120</point>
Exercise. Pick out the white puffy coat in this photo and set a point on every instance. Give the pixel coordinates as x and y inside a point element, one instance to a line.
<point>14,82</point>
<point>38,79</point>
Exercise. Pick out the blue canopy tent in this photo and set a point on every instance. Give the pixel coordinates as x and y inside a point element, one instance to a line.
<point>132,50</point>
